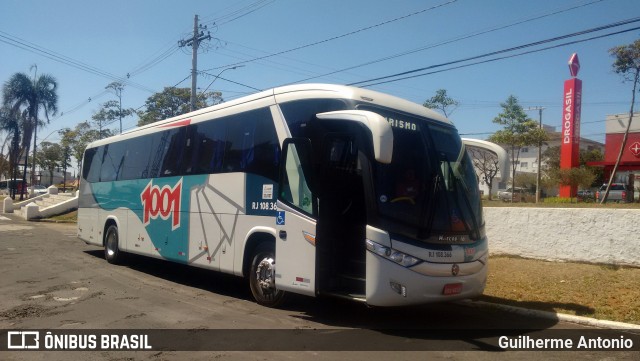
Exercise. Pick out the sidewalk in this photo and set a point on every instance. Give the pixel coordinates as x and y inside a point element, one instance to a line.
<point>586,321</point>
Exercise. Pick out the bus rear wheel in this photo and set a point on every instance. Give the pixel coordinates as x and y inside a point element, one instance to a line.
<point>262,278</point>
<point>111,249</point>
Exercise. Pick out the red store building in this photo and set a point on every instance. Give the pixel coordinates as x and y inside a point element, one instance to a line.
<point>629,168</point>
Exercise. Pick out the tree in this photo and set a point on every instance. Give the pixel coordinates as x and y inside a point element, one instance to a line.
<point>593,155</point>
<point>519,131</point>
<point>172,102</point>
<point>50,157</point>
<point>78,138</point>
<point>442,102</point>
<point>25,96</point>
<point>11,124</point>
<point>111,112</point>
<point>574,177</point>
<point>66,142</point>
<point>527,180</point>
<point>627,64</point>
<point>554,176</point>
<point>117,88</point>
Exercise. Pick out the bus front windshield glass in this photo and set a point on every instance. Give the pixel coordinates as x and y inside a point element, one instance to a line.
<point>429,191</point>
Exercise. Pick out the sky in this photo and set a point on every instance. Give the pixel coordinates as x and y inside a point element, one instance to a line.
<point>87,44</point>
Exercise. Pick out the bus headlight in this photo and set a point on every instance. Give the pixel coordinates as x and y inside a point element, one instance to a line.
<point>391,254</point>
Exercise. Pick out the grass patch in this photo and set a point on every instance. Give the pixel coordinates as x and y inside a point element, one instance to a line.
<point>598,291</point>
<point>575,204</point>
<point>70,217</point>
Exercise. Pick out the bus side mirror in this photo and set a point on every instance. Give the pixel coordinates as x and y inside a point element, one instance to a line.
<point>496,150</point>
<point>381,132</point>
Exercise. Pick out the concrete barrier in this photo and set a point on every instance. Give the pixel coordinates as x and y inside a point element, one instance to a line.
<point>7,205</point>
<point>607,236</point>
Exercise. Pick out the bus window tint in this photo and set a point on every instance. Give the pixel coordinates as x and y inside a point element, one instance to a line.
<point>91,164</point>
<point>207,143</point>
<point>298,113</point>
<point>169,149</point>
<point>265,148</point>
<point>246,142</point>
<point>112,162</point>
<point>137,158</point>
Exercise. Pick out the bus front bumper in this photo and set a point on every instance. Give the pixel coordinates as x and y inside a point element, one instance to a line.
<point>390,284</point>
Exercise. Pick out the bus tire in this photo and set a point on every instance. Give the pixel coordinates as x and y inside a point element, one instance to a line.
<point>262,277</point>
<point>112,251</point>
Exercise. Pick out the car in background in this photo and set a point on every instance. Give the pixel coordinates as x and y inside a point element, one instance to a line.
<point>38,190</point>
<point>618,193</point>
<point>519,194</point>
<point>586,195</point>
<point>7,185</point>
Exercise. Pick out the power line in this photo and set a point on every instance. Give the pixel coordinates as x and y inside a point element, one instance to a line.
<point>231,81</point>
<point>237,14</point>
<point>338,36</point>
<point>454,40</point>
<point>153,62</point>
<point>399,75</point>
<point>36,49</point>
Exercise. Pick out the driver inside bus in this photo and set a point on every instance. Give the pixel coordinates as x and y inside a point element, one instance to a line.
<point>408,187</point>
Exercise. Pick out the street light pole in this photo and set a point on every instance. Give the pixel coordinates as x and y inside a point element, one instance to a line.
<point>217,76</point>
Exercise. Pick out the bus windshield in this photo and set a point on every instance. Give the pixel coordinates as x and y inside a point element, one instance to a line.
<point>429,191</point>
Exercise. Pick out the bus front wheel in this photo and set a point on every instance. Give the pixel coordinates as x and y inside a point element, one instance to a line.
<point>111,250</point>
<point>262,278</point>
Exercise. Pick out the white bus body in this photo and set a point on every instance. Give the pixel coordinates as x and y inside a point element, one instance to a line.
<point>312,189</point>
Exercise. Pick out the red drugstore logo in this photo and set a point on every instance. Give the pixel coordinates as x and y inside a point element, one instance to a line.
<point>163,202</point>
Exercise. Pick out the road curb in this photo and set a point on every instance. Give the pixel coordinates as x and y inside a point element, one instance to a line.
<point>587,321</point>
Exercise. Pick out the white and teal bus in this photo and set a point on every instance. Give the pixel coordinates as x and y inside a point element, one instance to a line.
<point>311,189</point>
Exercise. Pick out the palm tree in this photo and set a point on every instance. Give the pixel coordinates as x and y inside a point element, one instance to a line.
<point>23,95</point>
<point>11,125</point>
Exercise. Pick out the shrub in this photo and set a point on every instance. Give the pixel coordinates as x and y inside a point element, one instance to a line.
<point>558,200</point>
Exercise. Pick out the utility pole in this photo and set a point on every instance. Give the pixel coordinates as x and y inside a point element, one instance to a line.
<point>539,109</point>
<point>117,88</point>
<point>194,42</point>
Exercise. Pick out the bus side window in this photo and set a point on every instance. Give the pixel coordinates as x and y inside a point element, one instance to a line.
<point>207,144</point>
<point>253,145</point>
<point>112,162</point>
<point>265,148</point>
<point>170,150</point>
<point>239,152</point>
<point>137,158</point>
<point>92,163</point>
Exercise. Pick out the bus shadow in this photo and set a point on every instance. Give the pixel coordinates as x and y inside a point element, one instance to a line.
<point>437,327</point>
<point>344,313</point>
<point>477,328</point>
<point>206,280</point>
<point>580,310</point>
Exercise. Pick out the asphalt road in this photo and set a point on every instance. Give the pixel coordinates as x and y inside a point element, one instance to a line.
<point>53,281</point>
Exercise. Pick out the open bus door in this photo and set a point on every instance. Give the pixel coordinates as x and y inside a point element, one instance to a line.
<point>297,263</point>
<point>296,221</point>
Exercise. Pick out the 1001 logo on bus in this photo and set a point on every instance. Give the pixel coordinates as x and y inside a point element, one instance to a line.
<point>161,202</point>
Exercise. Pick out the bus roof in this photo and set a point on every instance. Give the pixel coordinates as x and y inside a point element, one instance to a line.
<point>360,94</point>
<point>286,93</point>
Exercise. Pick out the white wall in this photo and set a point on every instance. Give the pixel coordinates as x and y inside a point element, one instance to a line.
<point>610,236</point>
